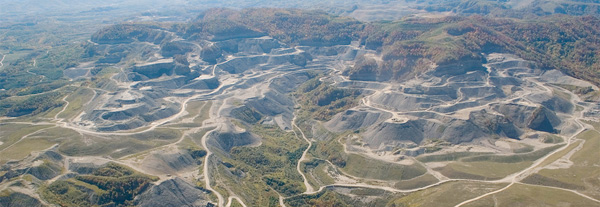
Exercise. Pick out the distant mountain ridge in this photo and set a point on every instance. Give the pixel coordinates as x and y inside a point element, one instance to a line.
<point>515,8</point>
<point>361,9</point>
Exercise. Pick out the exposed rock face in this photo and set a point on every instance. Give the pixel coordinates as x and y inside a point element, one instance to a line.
<point>170,163</point>
<point>401,102</point>
<point>155,70</point>
<point>494,124</point>
<point>242,64</point>
<point>480,124</point>
<point>210,83</point>
<point>211,54</point>
<point>438,91</point>
<point>171,193</point>
<point>545,120</point>
<point>46,171</point>
<point>389,134</point>
<point>537,118</point>
<point>558,104</point>
<point>353,120</point>
<point>289,83</point>
<point>273,104</point>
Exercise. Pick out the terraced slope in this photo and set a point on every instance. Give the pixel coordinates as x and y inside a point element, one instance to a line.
<point>204,116</point>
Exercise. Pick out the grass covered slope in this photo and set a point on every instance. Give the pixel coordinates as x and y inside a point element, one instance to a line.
<point>527,195</point>
<point>373,169</point>
<point>447,194</point>
<point>576,170</point>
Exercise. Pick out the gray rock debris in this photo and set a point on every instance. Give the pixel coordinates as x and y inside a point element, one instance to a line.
<point>173,193</point>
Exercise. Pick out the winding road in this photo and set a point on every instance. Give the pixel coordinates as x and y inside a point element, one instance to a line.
<point>1,61</point>
<point>231,198</point>
<point>215,120</point>
<point>517,177</point>
<point>510,179</point>
<point>309,187</point>
<point>205,171</point>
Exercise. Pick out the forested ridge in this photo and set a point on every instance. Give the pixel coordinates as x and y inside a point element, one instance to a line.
<point>411,45</point>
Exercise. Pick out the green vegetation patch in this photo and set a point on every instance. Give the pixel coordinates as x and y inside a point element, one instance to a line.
<point>316,172</point>
<point>586,93</point>
<point>35,71</point>
<point>447,194</point>
<point>304,27</point>
<point>246,184</point>
<point>532,156</point>
<point>159,134</point>
<point>453,156</point>
<point>235,203</point>
<point>527,195</point>
<point>30,105</point>
<point>110,185</point>
<point>321,100</point>
<point>538,179</point>
<point>25,147</point>
<point>482,170</point>
<point>374,169</point>
<point>77,99</point>
<point>559,154</point>
<point>11,133</point>
<point>10,198</point>
<point>274,161</point>
<point>329,197</point>
<point>596,125</point>
<point>487,166</point>
<point>327,146</point>
<point>582,175</point>
<point>117,146</point>
<point>551,139</point>
<point>417,182</point>
<point>332,151</point>
<point>204,113</point>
